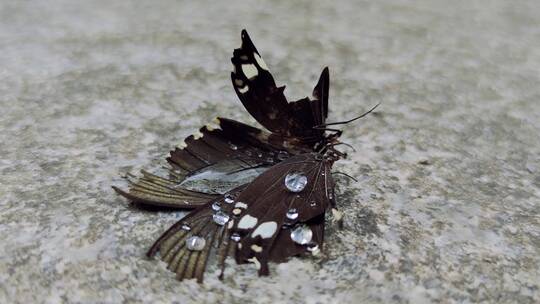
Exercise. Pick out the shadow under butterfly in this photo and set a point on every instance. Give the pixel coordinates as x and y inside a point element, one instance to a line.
<point>256,195</point>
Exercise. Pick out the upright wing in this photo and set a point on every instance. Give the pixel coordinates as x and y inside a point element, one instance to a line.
<point>266,102</point>
<point>285,211</point>
<point>308,113</point>
<point>201,236</point>
<point>257,89</point>
<point>320,93</point>
<point>223,155</point>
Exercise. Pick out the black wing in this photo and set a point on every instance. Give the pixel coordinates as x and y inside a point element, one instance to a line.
<point>224,149</point>
<point>257,90</point>
<point>278,222</point>
<point>201,236</point>
<point>307,113</point>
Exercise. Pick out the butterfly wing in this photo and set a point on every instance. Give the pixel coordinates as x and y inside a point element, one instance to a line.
<point>233,233</point>
<point>153,190</point>
<point>257,89</point>
<point>274,212</point>
<point>201,236</point>
<point>308,113</point>
<point>211,155</point>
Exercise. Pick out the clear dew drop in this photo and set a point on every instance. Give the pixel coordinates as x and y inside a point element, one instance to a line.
<point>233,147</point>
<point>229,199</point>
<point>195,243</point>
<point>186,227</point>
<point>313,204</point>
<point>216,206</point>
<point>235,237</point>
<point>292,214</point>
<point>260,155</point>
<point>220,218</point>
<point>295,181</point>
<point>302,235</point>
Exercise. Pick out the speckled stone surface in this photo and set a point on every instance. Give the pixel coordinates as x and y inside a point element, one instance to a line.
<point>446,207</point>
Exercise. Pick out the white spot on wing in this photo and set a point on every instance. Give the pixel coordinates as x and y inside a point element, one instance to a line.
<point>256,248</point>
<point>241,205</point>
<point>214,124</point>
<point>265,230</point>
<point>247,222</point>
<point>260,61</point>
<point>256,262</point>
<point>250,70</point>
<point>243,90</point>
<point>182,145</point>
<point>238,82</point>
<point>198,135</point>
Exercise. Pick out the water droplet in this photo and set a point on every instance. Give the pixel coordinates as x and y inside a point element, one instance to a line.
<point>186,227</point>
<point>301,235</point>
<point>283,155</point>
<point>295,181</point>
<point>330,195</point>
<point>216,206</point>
<point>220,218</point>
<point>270,160</point>
<point>292,214</point>
<point>233,147</point>
<point>229,198</point>
<point>195,243</point>
<point>235,237</point>
<point>259,154</point>
<point>313,204</point>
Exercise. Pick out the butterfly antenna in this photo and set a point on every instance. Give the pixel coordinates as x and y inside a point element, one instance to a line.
<point>350,120</point>
<point>345,174</point>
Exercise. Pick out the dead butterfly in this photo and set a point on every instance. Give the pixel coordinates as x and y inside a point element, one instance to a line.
<point>217,165</point>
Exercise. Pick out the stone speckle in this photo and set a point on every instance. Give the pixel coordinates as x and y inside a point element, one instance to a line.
<point>446,207</point>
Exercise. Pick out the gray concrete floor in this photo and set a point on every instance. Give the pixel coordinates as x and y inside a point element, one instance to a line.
<point>446,208</point>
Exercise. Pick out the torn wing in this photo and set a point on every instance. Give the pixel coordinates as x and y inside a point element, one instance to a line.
<point>257,89</point>
<point>285,211</point>
<point>202,236</point>
<point>215,160</point>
